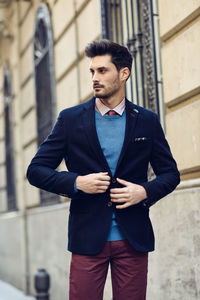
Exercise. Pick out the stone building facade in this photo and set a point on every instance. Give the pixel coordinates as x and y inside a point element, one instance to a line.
<point>43,70</point>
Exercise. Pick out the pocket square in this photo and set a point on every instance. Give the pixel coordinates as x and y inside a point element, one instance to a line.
<point>139,139</point>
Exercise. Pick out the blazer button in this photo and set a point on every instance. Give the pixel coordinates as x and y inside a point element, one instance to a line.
<point>114,180</point>
<point>109,204</point>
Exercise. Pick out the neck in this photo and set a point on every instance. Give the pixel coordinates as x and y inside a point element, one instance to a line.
<point>113,101</point>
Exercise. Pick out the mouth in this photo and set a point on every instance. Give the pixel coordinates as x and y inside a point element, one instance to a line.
<point>97,86</point>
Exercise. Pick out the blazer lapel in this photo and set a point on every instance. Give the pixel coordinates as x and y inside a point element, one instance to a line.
<point>88,119</point>
<point>131,120</point>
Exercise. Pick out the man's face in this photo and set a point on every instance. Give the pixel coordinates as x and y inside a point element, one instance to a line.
<point>105,77</point>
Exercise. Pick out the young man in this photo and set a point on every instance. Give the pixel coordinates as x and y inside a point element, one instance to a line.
<point>107,143</point>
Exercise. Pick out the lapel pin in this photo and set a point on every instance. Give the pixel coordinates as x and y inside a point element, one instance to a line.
<point>135,110</point>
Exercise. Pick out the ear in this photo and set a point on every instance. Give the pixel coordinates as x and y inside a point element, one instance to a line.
<point>124,74</point>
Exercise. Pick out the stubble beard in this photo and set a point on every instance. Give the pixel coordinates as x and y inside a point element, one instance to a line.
<point>107,94</point>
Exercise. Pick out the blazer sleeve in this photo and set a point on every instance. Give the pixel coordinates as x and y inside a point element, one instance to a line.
<point>42,171</point>
<point>164,167</point>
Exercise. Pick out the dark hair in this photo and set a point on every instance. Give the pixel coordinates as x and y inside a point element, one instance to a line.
<point>120,55</point>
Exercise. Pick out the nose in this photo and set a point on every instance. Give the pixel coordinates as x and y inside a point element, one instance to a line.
<point>95,77</point>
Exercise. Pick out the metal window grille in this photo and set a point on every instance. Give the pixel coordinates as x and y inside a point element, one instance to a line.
<point>10,165</point>
<point>44,83</point>
<point>134,23</point>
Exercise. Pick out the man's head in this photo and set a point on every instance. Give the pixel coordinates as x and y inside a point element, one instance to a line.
<point>110,68</point>
<point>120,55</point>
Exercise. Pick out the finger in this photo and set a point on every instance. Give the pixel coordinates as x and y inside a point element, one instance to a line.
<point>104,178</point>
<point>120,200</point>
<point>122,181</point>
<point>125,205</point>
<point>103,173</point>
<point>101,191</point>
<point>102,183</point>
<point>118,191</point>
<point>102,187</point>
<point>119,196</point>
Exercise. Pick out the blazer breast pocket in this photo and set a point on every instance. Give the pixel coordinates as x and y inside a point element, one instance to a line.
<point>141,139</point>
<point>141,143</point>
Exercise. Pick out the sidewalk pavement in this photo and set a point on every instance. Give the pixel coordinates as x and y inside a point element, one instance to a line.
<point>9,292</point>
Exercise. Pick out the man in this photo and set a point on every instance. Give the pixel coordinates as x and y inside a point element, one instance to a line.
<point>107,143</point>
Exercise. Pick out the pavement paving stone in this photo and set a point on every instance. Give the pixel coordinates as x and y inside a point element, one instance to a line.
<point>9,292</point>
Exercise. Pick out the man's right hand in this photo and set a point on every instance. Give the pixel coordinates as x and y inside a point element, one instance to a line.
<point>93,183</point>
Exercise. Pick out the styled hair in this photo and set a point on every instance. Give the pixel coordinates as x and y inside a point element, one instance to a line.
<point>120,55</point>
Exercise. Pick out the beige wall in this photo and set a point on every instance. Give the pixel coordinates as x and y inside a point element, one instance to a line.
<point>70,21</point>
<point>180,34</point>
<point>174,268</point>
<point>75,23</point>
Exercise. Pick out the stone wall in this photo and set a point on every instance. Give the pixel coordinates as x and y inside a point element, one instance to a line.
<point>36,237</point>
<point>174,267</point>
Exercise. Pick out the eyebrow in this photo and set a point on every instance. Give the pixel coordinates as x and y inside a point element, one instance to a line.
<point>99,68</point>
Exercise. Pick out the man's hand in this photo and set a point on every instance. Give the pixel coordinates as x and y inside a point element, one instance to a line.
<point>130,194</point>
<point>93,183</point>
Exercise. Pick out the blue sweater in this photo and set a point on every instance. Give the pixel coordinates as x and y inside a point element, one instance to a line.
<point>111,132</point>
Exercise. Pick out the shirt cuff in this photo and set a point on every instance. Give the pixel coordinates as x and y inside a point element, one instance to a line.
<point>75,188</point>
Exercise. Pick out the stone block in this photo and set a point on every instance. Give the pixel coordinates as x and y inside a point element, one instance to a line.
<point>1,76</point>
<point>183,128</point>
<point>14,54</point>
<point>172,13</point>
<point>28,154</point>
<point>3,202</point>
<point>23,7</point>
<point>174,266</point>
<point>79,3</point>
<point>28,96</point>
<point>67,91</point>
<point>3,152</point>
<point>27,30</point>
<point>1,103</point>
<point>29,127</point>
<point>31,195</point>
<point>181,67</point>
<point>85,78</point>
<point>15,80</point>
<point>14,29</point>
<point>88,21</point>
<point>27,64</point>
<point>65,51</point>
<point>2,126</point>
<point>11,262</point>
<point>50,239</point>
<point>51,4</point>
<point>16,133</point>
<point>63,13</point>
<point>2,175</point>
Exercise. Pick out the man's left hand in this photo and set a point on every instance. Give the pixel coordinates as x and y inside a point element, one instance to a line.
<point>128,195</point>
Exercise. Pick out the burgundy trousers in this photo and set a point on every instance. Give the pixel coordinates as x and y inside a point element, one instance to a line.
<point>128,272</point>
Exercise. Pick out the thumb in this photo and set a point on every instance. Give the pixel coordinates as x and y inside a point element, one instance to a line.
<point>122,181</point>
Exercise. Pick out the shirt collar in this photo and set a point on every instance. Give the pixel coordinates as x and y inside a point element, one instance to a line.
<point>103,109</point>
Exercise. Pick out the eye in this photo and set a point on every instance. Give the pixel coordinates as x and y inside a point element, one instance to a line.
<point>102,70</point>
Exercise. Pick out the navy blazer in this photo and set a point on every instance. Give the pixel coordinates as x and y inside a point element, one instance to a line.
<point>75,139</point>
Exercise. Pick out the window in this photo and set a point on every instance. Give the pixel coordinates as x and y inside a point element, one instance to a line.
<point>44,83</point>
<point>10,163</point>
<point>134,23</point>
